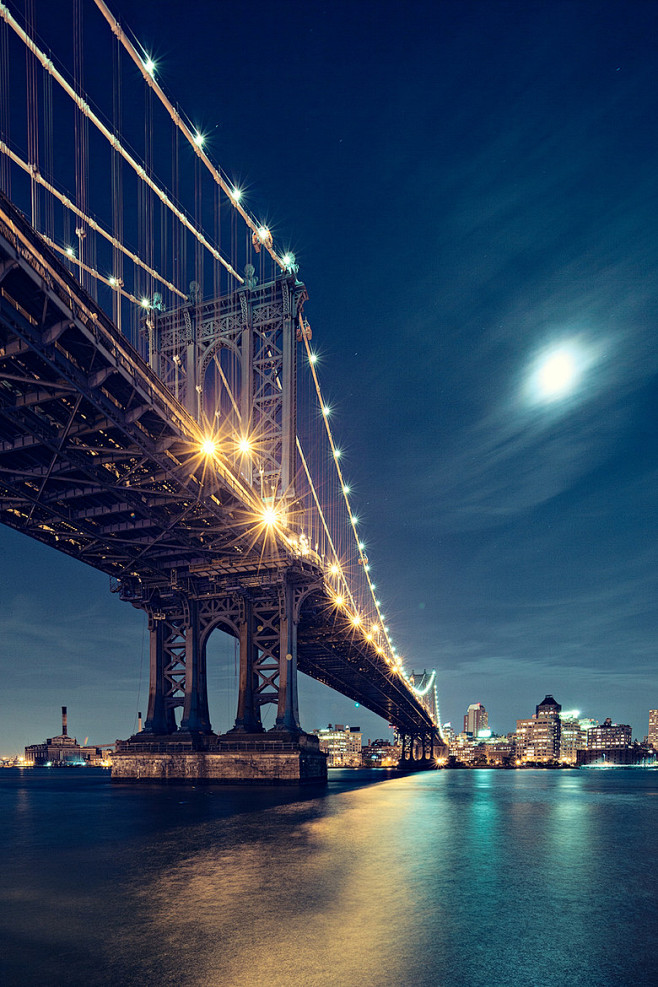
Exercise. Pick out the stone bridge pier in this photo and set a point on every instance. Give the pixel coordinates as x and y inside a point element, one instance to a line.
<point>264,620</point>
<point>421,750</point>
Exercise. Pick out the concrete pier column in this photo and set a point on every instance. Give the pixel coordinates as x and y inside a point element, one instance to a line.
<point>196,717</point>
<point>160,718</point>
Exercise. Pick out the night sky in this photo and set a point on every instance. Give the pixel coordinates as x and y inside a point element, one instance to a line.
<point>470,190</point>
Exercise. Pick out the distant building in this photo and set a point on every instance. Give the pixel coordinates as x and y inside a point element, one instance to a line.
<point>342,744</point>
<point>573,734</point>
<point>538,737</point>
<point>380,754</point>
<point>60,751</point>
<point>448,733</point>
<point>476,719</point>
<point>609,736</point>
<point>652,736</point>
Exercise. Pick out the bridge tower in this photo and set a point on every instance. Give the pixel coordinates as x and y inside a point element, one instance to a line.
<point>249,339</point>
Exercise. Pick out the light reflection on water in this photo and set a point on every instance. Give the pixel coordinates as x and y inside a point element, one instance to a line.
<point>448,878</point>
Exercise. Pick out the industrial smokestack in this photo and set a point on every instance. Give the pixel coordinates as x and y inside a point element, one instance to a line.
<point>64,722</point>
<point>139,723</point>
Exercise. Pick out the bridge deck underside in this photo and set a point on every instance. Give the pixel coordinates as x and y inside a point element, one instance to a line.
<point>99,461</point>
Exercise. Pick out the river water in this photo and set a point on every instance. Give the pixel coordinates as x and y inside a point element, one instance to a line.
<point>440,879</point>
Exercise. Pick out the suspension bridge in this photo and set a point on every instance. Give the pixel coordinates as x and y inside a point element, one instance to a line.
<point>162,417</point>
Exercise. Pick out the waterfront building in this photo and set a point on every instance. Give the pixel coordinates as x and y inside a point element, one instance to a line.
<point>609,736</point>
<point>652,736</point>
<point>573,734</point>
<point>538,737</point>
<point>380,754</point>
<point>476,719</point>
<point>342,745</point>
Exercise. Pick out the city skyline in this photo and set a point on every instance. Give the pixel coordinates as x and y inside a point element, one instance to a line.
<point>469,190</point>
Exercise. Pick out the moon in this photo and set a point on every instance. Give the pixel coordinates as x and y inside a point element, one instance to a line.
<point>557,372</point>
<point>557,375</point>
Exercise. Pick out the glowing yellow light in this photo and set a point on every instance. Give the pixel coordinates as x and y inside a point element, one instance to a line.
<point>245,445</point>
<point>209,447</point>
<point>334,569</point>
<point>339,601</point>
<point>375,628</point>
<point>270,516</point>
<point>368,637</point>
<point>356,619</point>
<point>379,649</point>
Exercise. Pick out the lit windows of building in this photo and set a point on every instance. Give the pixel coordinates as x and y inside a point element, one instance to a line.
<point>609,736</point>
<point>476,719</point>
<point>652,736</point>
<point>538,737</point>
<point>381,754</point>
<point>573,734</point>
<point>342,745</point>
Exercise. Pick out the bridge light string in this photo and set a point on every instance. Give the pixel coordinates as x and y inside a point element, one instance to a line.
<point>345,489</point>
<point>86,110</point>
<point>66,202</point>
<point>196,140</point>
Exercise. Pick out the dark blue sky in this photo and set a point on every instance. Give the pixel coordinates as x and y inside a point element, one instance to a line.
<point>466,186</point>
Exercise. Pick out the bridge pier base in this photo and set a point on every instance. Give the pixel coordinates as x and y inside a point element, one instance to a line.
<point>229,759</point>
<point>421,751</point>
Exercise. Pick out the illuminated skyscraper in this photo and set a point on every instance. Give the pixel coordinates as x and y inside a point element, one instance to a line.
<point>652,736</point>
<point>476,719</point>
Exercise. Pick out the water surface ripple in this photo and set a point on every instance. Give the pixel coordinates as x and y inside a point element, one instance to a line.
<point>443,879</point>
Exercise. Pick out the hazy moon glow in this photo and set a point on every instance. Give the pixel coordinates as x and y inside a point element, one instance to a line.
<point>557,373</point>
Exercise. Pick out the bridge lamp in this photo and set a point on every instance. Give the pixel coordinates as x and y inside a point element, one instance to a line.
<point>354,521</point>
<point>361,545</point>
<point>368,637</point>
<point>244,445</point>
<point>337,453</point>
<point>313,358</point>
<point>356,619</point>
<point>366,568</point>
<point>199,139</point>
<point>264,234</point>
<point>346,489</point>
<point>288,259</point>
<point>270,516</point>
<point>209,447</point>
<point>145,303</point>
<point>149,65</point>
<point>334,570</point>
<point>326,411</point>
<point>236,194</point>
<point>70,252</point>
<point>339,601</point>
<point>375,628</point>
